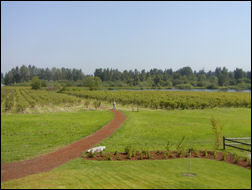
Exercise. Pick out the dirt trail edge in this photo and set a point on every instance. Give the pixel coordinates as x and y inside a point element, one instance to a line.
<point>52,160</point>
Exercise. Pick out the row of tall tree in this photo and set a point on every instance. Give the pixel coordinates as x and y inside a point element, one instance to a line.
<point>184,77</point>
<point>24,73</point>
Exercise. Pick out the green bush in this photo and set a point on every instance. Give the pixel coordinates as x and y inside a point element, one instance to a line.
<point>180,153</point>
<point>87,102</point>
<point>166,154</point>
<point>147,154</point>
<point>129,155</point>
<point>36,84</point>
<point>91,154</point>
<point>168,146</point>
<point>184,86</point>
<point>109,157</point>
<point>215,154</point>
<point>43,83</point>
<point>127,149</point>
<point>197,153</point>
<point>97,104</point>
<point>62,89</point>
<point>236,158</point>
<point>180,145</point>
<point>133,153</point>
<point>224,156</point>
<point>187,153</point>
<point>141,155</point>
<point>249,162</point>
<point>101,154</point>
<point>205,153</point>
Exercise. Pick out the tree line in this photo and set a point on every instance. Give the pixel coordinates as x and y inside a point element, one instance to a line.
<point>24,73</point>
<point>154,78</point>
<point>181,78</point>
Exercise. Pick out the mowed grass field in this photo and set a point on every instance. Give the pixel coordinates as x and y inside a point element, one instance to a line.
<point>26,135</point>
<point>155,174</point>
<point>152,130</point>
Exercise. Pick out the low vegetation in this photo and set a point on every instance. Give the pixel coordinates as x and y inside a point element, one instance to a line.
<point>17,99</point>
<point>182,153</point>
<point>167,99</point>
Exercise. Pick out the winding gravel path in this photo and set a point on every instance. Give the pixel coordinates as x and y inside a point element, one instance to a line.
<point>52,160</point>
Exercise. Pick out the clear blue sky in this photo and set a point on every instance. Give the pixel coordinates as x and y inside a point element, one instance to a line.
<point>126,35</point>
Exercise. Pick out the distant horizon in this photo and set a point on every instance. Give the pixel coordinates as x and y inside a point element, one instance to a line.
<point>126,35</point>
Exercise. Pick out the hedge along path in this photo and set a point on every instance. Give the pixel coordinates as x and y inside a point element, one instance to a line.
<point>52,160</point>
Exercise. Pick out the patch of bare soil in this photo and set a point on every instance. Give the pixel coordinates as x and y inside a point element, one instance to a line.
<point>164,155</point>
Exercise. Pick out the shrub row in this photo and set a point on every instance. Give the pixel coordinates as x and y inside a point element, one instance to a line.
<point>168,99</point>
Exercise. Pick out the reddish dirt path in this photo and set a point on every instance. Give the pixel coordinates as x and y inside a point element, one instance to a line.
<point>52,160</point>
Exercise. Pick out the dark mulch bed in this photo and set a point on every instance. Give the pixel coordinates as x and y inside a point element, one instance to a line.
<point>162,155</point>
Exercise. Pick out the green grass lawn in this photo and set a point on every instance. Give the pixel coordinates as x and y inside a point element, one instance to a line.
<point>153,174</point>
<point>27,135</point>
<point>153,129</point>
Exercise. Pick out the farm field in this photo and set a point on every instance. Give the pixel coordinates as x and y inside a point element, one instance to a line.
<point>167,99</point>
<point>154,174</point>
<point>25,100</point>
<point>26,135</point>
